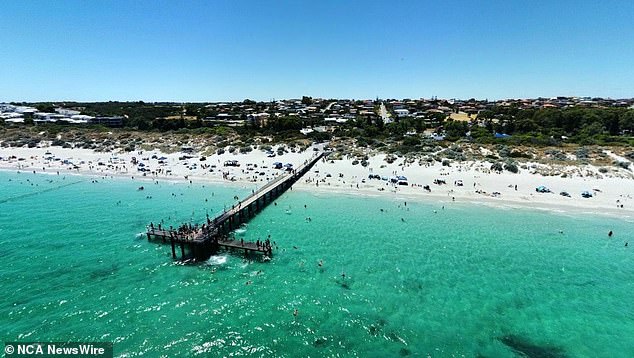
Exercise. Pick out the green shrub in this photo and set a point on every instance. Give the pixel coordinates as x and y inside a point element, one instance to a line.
<point>624,165</point>
<point>511,167</point>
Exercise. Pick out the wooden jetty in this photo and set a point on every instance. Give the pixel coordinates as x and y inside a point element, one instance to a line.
<point>203,240</point>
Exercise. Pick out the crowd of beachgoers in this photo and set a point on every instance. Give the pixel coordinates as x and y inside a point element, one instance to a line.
<point>574,187</point>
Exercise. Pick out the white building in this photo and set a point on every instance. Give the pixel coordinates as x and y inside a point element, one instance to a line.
<point>48,117</point>
<point>336,120</point>
<point>10,115</point>
<point>5,107</point>
<point>67,112</point>
<point>401,112</point>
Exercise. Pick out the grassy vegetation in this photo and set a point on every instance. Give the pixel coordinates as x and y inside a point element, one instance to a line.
<point>572,135</point>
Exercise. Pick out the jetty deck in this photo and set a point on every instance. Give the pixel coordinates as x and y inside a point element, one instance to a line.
<point>204,239</point>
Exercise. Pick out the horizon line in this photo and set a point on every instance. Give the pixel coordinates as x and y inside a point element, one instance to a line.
<point>315,98</point>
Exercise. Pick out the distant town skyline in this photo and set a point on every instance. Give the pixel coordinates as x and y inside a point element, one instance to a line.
<point>234,50</point>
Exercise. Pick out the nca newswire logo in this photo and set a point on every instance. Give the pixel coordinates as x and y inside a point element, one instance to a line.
<point>58,349</point>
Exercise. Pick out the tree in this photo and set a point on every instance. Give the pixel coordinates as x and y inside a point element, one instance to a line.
<point>626,120</point>
<point>437,118</point>
<point>592,129</point>
<point>285,123</point>
<point>307,101</point>
<point>45,107</point>
<point>480,133</point>
<point>455,130</point>
<point>525,125</point>
<point>191,110</point>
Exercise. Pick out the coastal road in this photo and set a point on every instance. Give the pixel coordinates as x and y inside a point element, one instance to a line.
<point>385,116</point>
<point>328,107</point>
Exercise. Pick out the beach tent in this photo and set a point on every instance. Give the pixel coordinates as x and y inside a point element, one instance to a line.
<point>501,135</point>
<point>542,189</point>
<point>586,194</point>
<point>401,177</point>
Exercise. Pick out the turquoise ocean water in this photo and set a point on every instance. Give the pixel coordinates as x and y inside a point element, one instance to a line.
<point>466,280</point>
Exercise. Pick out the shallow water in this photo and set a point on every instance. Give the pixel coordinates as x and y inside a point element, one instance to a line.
<point>419,280</point>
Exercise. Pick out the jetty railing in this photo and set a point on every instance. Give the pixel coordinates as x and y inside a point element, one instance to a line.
<point>206,239</point>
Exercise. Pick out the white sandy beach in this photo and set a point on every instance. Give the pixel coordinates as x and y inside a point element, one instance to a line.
<point>612,192</point>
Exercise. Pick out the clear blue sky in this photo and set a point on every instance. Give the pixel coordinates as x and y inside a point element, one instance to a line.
<point>218,50</point>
